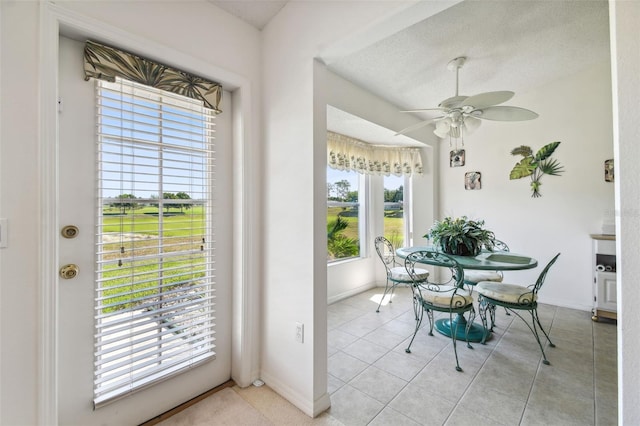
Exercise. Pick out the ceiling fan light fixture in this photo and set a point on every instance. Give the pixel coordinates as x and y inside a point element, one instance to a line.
<point>442,127</point>
<point>471,124</point>
<point>463,114</point>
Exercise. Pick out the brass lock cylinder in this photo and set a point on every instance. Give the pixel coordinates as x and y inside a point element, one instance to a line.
<point>70,231</point>
<point>69,271</point>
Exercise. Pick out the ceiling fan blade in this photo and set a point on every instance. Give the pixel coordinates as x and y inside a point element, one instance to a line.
<point>453,102</point>
<point>504,113</point>
<point>423,109</point>
<point>416,126</point>
<point>487,99</point>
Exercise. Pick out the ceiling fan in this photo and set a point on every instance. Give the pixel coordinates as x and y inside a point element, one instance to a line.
<point>463,114</point>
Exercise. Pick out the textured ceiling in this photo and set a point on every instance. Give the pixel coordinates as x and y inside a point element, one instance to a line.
<point>510,45</point>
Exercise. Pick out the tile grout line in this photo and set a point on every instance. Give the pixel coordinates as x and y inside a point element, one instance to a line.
<point>385,405</point>
<point>408,381</point>
<point>506,330</point>
<point>533,382</point>
<point>554,315</point>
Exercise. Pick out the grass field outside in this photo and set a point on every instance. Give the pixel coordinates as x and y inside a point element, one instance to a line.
<point>393,223</point>
<point>130,240</point>
<point>137,266</point>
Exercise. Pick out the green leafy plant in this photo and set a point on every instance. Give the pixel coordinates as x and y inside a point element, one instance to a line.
<point>461,236</point>
<point>536,165</point>
<point>340,246</point>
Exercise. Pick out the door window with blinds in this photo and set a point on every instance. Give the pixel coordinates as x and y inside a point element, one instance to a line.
<point>154,297</point>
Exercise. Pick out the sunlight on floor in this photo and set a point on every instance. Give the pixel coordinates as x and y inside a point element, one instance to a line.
<point>378,296</point>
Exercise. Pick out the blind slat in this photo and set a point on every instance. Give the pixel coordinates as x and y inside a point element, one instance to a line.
<point>142,380</point>
<point>180,294</point>
<point>109,333</point>
<point>164,348</point>
<point>155,293</point>
<point>142,336</point>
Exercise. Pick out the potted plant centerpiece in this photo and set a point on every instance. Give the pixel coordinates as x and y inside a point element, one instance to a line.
<point>460,236</point>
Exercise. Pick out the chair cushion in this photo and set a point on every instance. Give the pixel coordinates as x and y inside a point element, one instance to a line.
<point>475,276</point>
<point>503,292</point>
<point>442,297</point>
<point>400,274</point>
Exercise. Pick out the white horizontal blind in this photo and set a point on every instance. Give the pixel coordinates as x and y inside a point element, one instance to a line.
<point>154,304</point>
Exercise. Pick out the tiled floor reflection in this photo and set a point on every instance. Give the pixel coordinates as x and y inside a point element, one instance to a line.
<point>372,380</point>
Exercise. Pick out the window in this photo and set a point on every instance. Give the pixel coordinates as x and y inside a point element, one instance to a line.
<point>154,301</point>
<point>345,217</point>
<point>394,224</point>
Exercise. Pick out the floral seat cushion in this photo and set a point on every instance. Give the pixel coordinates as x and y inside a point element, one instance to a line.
<point>442,296</point>
<point>400,274</point>
<point>508,293</point>
<point>475,276</point>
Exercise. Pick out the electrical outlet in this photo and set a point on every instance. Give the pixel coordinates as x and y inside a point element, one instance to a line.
<point>299,332</point>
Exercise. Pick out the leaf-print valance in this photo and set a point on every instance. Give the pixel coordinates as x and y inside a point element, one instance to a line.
<point>107,63</point>
<point>347,153</point>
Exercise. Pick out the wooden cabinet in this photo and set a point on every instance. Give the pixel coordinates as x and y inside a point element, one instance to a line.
<point>604,277</point>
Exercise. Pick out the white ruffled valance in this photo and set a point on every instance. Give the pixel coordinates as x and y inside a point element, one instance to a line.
<point>347,153</point>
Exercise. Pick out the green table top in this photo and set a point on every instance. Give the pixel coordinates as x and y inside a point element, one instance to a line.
<point>494,261</point>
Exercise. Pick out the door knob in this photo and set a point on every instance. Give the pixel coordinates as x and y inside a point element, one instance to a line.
<point>69,271</point>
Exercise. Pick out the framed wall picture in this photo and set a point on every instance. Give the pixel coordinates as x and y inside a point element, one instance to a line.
<point>472,180</point>
<point>456,158</point>
<point>608,170</point>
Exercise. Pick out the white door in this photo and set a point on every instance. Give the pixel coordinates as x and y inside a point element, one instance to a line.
<point>80,206</point>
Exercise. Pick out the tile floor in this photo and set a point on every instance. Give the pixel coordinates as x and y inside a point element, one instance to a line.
<point>372,380</point>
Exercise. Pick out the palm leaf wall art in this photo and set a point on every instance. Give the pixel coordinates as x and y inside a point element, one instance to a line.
<point>536,165</point>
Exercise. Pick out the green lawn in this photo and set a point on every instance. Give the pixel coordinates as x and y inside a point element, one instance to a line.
<point>134,281</point>
<point>143,277</point>
<point>144,221</point>
<point>393,224</point>
<point>132,284</point>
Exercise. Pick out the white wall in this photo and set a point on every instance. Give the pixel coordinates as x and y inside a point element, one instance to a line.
<point>295,137</point>
<point>295,286</point>
<point>227,48</point>
<point>19,204</point>
<point>625,41</point>
<point>576,111</point>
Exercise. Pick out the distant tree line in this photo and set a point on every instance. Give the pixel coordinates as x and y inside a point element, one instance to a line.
<point>394,195</point>
<point>128,202</point>
<point>340,191</point>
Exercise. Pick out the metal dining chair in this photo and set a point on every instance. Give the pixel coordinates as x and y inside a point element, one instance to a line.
<point>514,298</point>
<point>474,276</point>
<point>445,296</point>
<point>396,272</point>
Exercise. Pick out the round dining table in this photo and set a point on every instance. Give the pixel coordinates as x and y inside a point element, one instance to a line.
<point>487,261</point>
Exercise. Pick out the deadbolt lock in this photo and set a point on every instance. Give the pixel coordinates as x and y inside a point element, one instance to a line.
<point>70,231</point>
<point>69,271</point>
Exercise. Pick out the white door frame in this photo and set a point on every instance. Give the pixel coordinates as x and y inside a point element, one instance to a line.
<point>244,333</point>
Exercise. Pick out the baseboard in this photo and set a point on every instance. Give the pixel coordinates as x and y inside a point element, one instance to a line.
<point>338,297</point>
<point>310,409</point>
<point>564,304</point>
<point>321,404</point>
